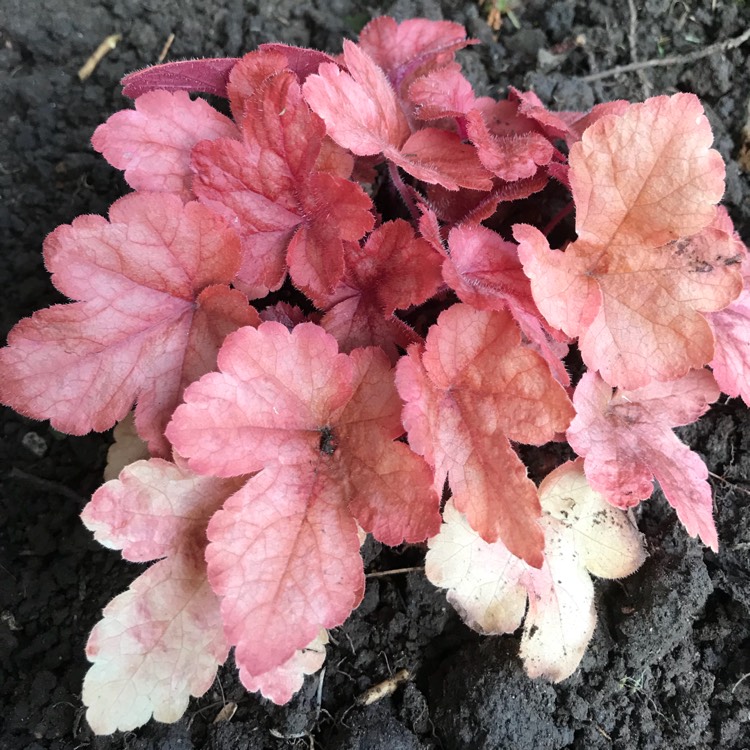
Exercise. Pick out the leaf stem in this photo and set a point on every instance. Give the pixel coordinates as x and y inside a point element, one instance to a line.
<point>405,191</point>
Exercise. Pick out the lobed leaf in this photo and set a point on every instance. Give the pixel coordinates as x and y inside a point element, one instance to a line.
<point>393,270</point>
<point>288,213</point>
<point>153,305</point>
<point>362,113</point>
<point>489,586</point>
<point>158,643</point>
<point>473,388</point>
<point>627,442</point>
<point>319,426</point>
<point>152,143</point>
<point>648,262</point>
<point>162,640</point>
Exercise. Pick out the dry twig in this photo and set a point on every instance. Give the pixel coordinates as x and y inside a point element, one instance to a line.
<point>664,62</point>
<point>90,65</point>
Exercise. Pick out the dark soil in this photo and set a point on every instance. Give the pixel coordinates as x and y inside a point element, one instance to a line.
<point>668,663</point>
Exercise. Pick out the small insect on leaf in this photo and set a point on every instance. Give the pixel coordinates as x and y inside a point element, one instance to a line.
<point>328,441</point>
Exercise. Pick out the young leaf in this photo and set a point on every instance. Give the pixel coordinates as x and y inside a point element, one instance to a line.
<point>484,270</point>
<point>473,388</point>
<point>393,270</point>
<point>162,640</point>
<point>411,48</point>
<point>444,92</point>
<point>153,307</point>
<point>510,157</point>
<point>207,76</point>
<point>362,113</point>
<point>627,442</point>
<point>489,586</point>
<point>287,212</point>
<point>320,427</point>
<point>152,143</point>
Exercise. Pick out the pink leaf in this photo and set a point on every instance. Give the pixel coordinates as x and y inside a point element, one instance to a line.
<point>320,426</point>
<point>511,157</point>
<point>153,304</point>
<point>485,272</point>
<point>158,643</point>
<point>444,92</point>
<point>286,211</point>
<point>731,326</point>
<point>362,114</point>
<point>208,76</point>
<point>441,158</point>
<point>627,441</point>
<point>281,683</point>
<point>284,559</point>
<point>359,108</point>
<point>474,388</point>
<point>567,125</point>
<point>152,143</point>
<point>411,48</point>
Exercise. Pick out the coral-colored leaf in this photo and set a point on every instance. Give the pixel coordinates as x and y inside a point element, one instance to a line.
<point>411,48</point>
<point>441,158</point>
<point>287,212</point>
<point>152,301</point>
<point>484,270</point>
<point>638,314</point>
<point>444,92</point>
<point>158,643</point>
<point>474,388</point>
<point>510,157</point>
<point>248,75</point>
<point>489,586</point>
<point>359,108</point>
<point>731,326</point>
<point>284,558</point>
<point>320,426</point>
<point>362,113</point>
<point>627,442</point>
<point>647,177</point>
<point>276,390</point>
<point>152,143</point>
<point>649,260</point>
<point>207,76</point>
<point>393,270</point>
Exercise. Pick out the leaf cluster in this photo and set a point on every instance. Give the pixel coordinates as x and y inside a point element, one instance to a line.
<point>366,251</point>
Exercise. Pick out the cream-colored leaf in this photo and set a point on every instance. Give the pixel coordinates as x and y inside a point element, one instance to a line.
<point>489,586</point>
<point>607,538</point>
<point>481,578</point>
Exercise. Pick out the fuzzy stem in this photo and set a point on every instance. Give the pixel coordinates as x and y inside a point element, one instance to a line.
<point>404,191</point>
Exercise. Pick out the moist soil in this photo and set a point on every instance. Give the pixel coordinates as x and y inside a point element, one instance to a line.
<point>669,664</point>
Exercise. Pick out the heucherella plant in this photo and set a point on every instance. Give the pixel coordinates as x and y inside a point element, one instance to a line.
<point>426,291</point>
